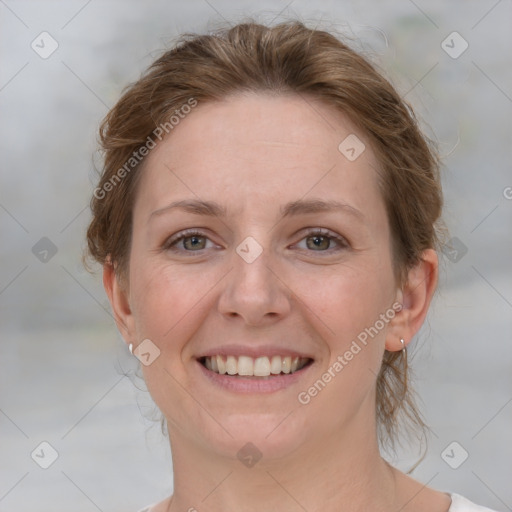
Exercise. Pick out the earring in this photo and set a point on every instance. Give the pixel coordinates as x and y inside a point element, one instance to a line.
<point>403,344</point>
<point>130,348</point>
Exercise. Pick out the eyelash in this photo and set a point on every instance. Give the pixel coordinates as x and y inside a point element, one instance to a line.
<point>189,233</point>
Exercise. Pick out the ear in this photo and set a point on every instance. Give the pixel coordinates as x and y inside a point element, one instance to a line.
<point>415,297</point>
<point>118,296</point>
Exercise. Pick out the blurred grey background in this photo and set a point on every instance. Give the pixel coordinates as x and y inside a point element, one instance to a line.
<point>62,363</point>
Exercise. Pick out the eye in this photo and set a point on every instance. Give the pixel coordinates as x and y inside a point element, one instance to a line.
<point>322,240</point>
<point>317,240</point>
<point>189,241</point>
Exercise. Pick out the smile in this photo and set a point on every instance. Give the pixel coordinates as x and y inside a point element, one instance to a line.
<point>246,366</point>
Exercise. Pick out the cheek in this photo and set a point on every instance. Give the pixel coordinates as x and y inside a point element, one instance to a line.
<point>169,305</point>
<point>353,304</point>
<point>350,300</point>
<point>163,297</point>
<point>350,307</point>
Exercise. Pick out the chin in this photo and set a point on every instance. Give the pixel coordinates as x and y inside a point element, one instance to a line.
<point>264,436</point>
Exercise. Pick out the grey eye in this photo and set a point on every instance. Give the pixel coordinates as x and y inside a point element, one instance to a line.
<point>318,242</point>
<point>194,242</point>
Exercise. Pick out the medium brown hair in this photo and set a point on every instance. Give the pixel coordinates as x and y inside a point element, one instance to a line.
<point>286,58</point>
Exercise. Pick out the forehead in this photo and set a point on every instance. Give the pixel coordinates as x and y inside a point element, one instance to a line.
<point>259,147</point>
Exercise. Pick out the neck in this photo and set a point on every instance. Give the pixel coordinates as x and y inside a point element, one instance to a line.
<point>339,470</point>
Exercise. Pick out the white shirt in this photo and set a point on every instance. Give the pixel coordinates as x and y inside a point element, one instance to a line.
<point>459,504</point>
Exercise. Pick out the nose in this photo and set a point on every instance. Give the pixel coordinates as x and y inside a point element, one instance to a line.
<point>255,291</point>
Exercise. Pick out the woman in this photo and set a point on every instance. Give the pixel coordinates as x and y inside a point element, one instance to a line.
<point>267,221</point>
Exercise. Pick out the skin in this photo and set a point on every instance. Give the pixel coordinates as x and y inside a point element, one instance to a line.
<point>253,153</point>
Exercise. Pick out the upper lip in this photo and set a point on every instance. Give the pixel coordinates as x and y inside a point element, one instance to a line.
<point>252,351</point>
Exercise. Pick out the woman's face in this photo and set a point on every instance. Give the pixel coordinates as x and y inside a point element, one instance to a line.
<point>272,267</point>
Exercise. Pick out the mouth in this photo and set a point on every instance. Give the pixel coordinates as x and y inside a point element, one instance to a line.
<point>263,367</point>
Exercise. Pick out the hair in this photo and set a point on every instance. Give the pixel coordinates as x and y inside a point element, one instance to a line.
<point>286,58</point>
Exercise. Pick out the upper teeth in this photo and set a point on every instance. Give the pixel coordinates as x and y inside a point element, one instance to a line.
<point>259,366</point>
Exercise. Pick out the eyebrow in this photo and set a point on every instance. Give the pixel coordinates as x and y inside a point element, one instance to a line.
<point>299,207</point>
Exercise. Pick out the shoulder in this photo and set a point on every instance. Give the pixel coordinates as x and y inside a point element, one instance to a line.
<point>461,504</point>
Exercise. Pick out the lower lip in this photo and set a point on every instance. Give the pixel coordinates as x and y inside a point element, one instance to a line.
<point>239,384</point>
